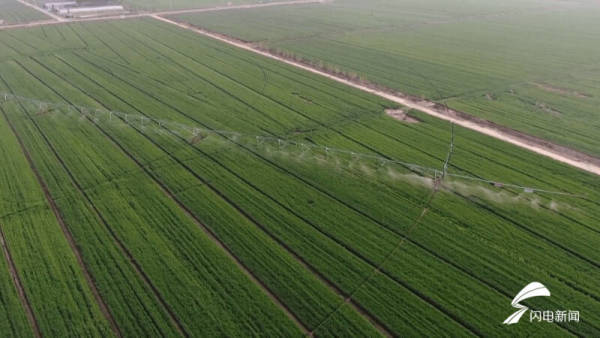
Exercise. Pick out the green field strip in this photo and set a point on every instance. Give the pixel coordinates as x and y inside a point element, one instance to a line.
<point>138,310</point>
<point>17,317</point>
<point>49,265</point>
<point>113,264</point>
<point>274,98</point>
<point>250,81</point>
<point>69,237</point>
<point>180,275</point>
<point>95,192</point>
<point>213,236</point>
<point>223,82</point>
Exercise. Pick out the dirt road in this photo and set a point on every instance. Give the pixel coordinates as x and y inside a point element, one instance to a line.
<point>554,151</point>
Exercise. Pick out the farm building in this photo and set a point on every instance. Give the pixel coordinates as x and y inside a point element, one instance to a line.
<point>58,5</point>
<point>96,9</point>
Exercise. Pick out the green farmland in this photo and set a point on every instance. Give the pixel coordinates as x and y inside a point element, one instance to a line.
<point>529,65</point>
<point>122,219</point>
<point>12,12</point>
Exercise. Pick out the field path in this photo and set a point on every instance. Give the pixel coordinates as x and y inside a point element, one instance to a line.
<point>39,9</point>
<point>560,153</point>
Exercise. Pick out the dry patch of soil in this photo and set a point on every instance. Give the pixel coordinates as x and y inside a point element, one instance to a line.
<point>561,91</point>
<point>548,109</point>
<point>400,115</point>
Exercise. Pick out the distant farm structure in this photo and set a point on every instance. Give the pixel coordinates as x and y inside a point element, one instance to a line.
<point>73,8</point>
<point>55,6</point>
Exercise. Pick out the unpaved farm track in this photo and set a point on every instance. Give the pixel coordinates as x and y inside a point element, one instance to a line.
<point>543,147</point>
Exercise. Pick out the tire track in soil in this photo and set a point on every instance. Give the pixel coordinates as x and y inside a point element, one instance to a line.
<point>68,236</point>
<point>175,321</point>
<point>18,285</point>
<point>398,281</point>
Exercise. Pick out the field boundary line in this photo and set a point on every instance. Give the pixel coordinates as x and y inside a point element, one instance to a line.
<point>138,269</point>
<point>61,20</point>
<point>40,9</point>
<point>543,147</point>
<point>69,237</point>
<point>18,285</point>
